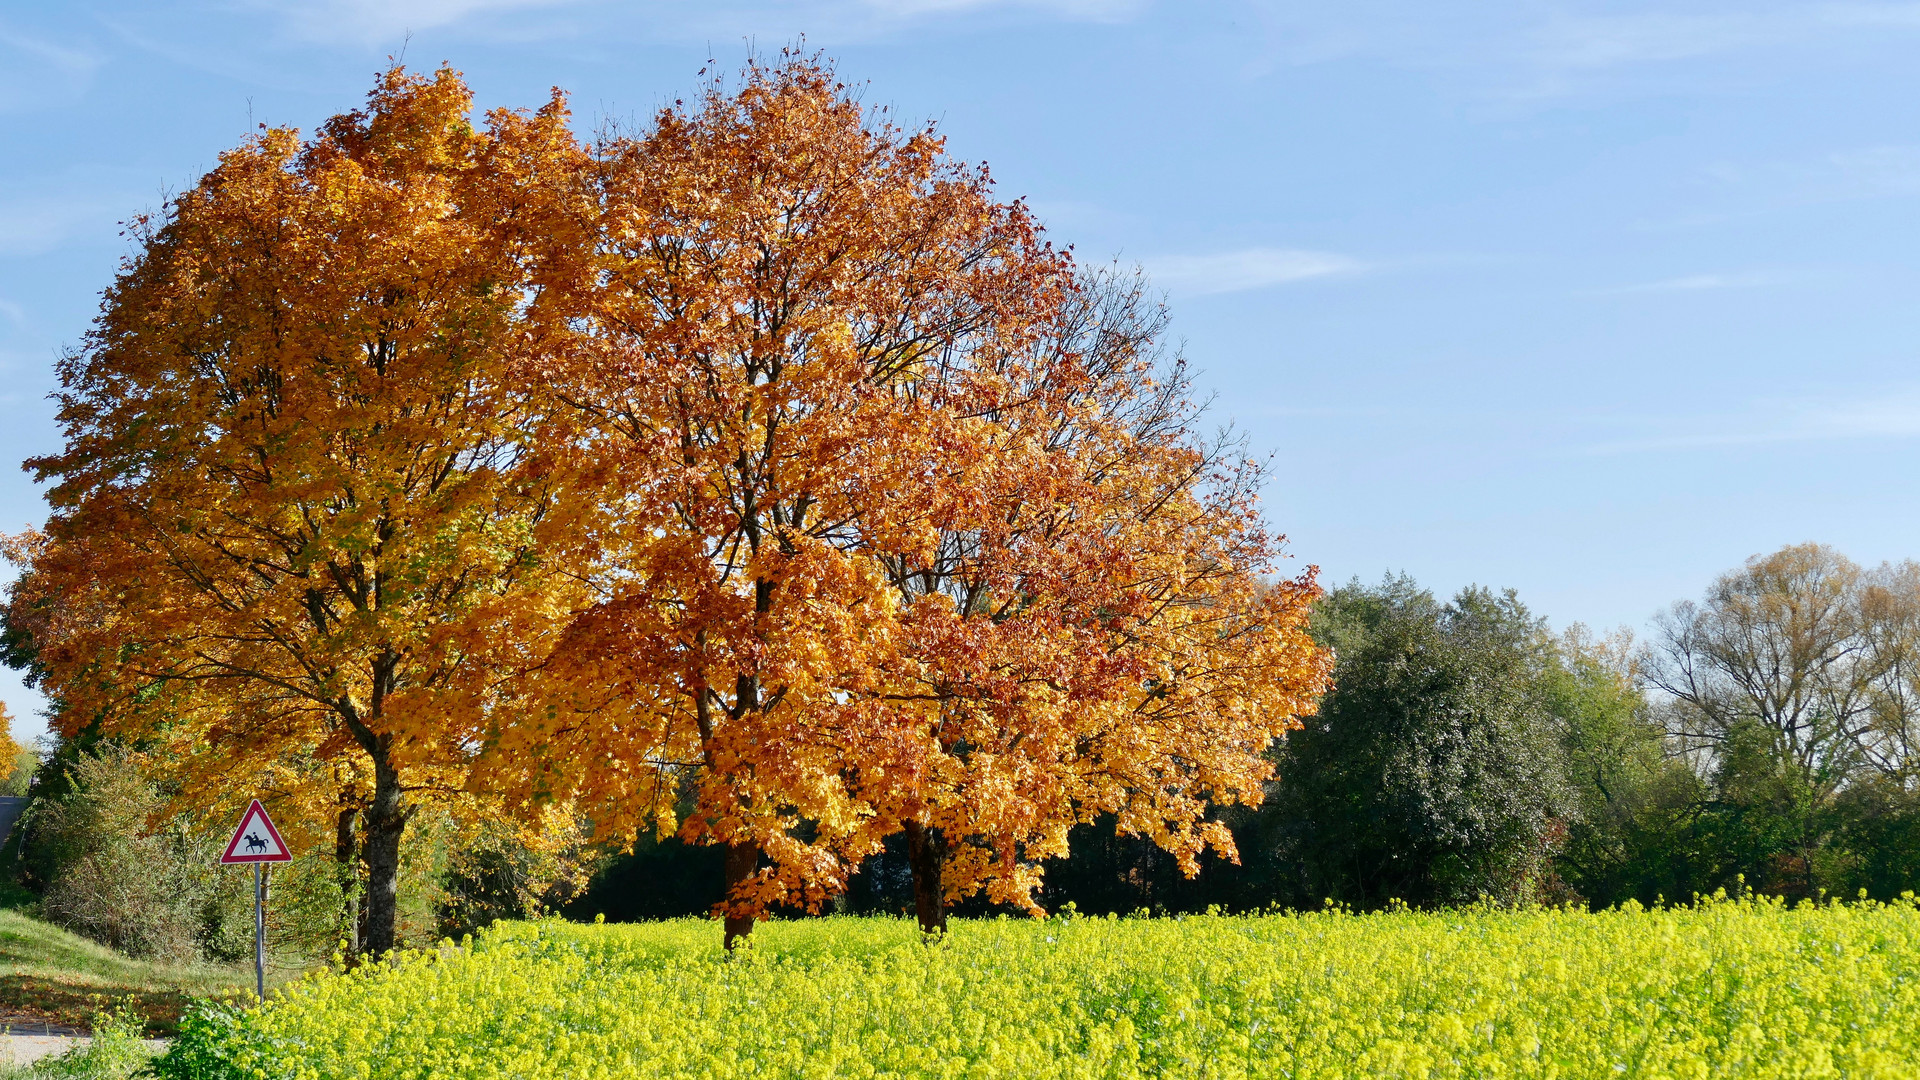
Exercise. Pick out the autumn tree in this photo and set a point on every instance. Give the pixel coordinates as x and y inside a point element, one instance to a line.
<point>892,525</point>
<point>16,761</point>
<point>1097,633</point>
<point>292,531</point>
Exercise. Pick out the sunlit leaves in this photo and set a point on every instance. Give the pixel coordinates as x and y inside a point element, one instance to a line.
<point>893,516</point>
<point>293,533</point>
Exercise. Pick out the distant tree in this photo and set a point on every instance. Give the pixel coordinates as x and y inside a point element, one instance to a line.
<point>1875,841</point>
<point>16,761</point>
<point>1780,652</point>
<point>1434,772</point>
<point>1792,681</point>
<point>1632,834</point>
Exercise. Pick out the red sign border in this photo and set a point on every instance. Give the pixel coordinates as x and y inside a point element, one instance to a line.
<point>230,858</point>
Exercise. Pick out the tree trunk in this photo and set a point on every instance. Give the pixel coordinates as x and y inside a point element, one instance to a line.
<point>926,853</point>
<point>386,819</point>
<point>742,859</point>
<point>347,872</point>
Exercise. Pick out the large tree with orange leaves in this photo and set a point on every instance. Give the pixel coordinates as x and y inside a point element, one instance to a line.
<point>891,525</point>
<point>1099,635</point>
<point>294,518</point>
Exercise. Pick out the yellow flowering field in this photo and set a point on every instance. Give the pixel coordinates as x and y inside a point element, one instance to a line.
<point>1729,988</point>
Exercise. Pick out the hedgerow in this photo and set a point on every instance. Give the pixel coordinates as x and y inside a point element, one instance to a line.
<point>1749,988</point>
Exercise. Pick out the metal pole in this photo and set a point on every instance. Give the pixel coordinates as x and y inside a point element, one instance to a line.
<point>260,931</point>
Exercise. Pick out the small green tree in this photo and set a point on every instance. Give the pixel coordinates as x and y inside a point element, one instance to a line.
<point>1434,772</point>
<point>1633,834</point>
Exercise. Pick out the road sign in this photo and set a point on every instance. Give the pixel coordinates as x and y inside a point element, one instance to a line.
<point>256,840</point>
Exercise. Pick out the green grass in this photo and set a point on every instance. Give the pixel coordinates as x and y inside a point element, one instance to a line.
<point>51,974</point>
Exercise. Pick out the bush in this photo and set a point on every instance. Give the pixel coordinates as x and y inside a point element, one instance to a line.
<point>503,871</point>
<point>111,875</point>
<point>1434,771</point>
<point>209,1031</point>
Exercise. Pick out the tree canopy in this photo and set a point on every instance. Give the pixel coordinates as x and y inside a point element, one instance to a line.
<point>762,456</point>
<point>1433,772</point>
<point>293,527</point>
<point>897,522</point>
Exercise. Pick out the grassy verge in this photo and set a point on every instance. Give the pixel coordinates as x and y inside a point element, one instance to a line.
<point>50,974</point>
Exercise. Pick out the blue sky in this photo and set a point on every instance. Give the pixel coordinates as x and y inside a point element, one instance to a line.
<point>1592,300</point>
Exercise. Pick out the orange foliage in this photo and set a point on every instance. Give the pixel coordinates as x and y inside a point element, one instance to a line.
<point>10,749</point>
<point>764,454</point>
<point>292,536</point>
<point>889,522</point>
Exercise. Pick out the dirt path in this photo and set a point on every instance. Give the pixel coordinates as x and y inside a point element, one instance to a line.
<point>24,1039</point>
<point>21,1049</point>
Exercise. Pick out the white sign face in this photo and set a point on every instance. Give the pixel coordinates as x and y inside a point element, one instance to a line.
<point>256,840</point>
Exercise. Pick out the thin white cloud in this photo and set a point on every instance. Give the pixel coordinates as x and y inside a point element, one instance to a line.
<point>1511,54</point>
<point>1657,37</point>
<point>1893,414</point>
<point>386,22</point>
<point>1701,283</point>
<point>1742,189</point>
<point>1878,170</point>
<point>1078,10</point>
<point>1248,269</point>
<point>1896,416</point>
<point>35,73</point>
<point>35,226</point>
<point>79,206</point>
<point>1649,38</point>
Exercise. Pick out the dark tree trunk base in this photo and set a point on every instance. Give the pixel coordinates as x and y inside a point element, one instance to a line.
<point>742,860</point>
<point>926,853</point>
<point>385,820</point>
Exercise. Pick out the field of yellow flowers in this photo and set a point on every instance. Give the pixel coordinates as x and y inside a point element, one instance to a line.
<point>1728,988</point>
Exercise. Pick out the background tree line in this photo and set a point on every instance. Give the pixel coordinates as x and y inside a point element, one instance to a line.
<point>1465,753</point>
<point>1759,738</point>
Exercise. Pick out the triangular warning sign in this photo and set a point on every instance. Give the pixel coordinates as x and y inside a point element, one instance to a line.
<point>256,840</point>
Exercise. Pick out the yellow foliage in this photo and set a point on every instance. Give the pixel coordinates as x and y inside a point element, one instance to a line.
<point>1750,988</point>
<point>10,750</point>
<point>291,543</point>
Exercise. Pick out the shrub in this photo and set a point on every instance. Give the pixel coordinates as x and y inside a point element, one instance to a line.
<point>209,1032</point>
<point>112,875</point>
<point>504,870</point>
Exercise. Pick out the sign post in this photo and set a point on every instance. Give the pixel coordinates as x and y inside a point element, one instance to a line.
<point>256,841</point>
